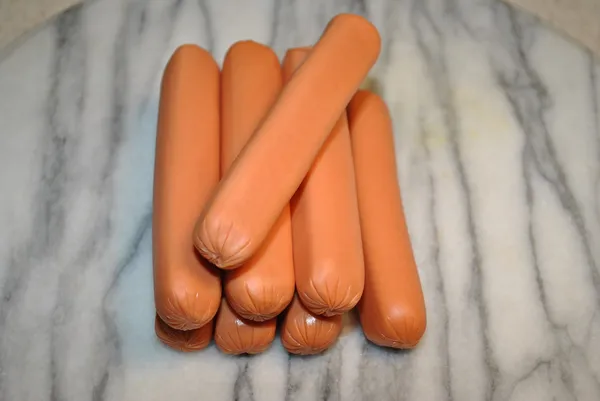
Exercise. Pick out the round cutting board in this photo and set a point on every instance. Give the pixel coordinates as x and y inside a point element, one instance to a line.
<point>496,124</point>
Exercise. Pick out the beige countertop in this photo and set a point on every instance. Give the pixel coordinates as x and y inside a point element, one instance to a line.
<point>579,19</point>
<point>19,16</point>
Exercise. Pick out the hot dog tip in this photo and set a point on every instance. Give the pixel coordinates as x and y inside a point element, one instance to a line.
<point>329,296</point>
<point>235,345</point>
<point>364,30</point>
<point>185,304</point>
<point>219,242</point>
<point>183,310</point>
<point>304,333</point>
<point>190,53</point>
<point>258,301</point>
<point>186,341</point>
<point>241,48</point>
<point>296,341</point>
<point>399,329</point>
<point>236,335</point>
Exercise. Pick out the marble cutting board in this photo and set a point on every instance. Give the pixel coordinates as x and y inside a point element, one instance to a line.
<point>497,139</point>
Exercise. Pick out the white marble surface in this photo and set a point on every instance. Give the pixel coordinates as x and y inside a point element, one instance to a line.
<point>497,129</point>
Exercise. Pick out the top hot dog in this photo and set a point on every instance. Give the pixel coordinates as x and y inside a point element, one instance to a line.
<point>238,218</point>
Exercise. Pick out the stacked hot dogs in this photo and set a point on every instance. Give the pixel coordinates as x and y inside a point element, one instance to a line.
<point>276,197</point>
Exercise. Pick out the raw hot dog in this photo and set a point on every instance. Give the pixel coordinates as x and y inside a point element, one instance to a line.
<point>186,341</point>
<point>305,333</point>
<point>236,335</point>
<point>392,308</point>
<point>187,290</point>
<point>239,217</point>
<point>250,82</point>
<point>328,256</point>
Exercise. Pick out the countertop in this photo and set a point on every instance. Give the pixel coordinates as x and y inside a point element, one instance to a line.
<point>497,137</point>
<point>579,19</point>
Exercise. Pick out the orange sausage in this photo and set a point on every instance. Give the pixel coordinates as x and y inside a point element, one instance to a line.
<point>268,171</point>
<point>305,333</point>
<point>236,335</point>
<point>187,290</point>
<point>328,256</point>
<point>186,341</point>
<point>250,82</point>
<point>392,308</point>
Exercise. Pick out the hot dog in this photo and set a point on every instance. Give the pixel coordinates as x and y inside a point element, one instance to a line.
<point>250,82</point>
<point>187,289</point>
<point>239,217</point>
<point>236,335</point>
<point>186,341</point>
<point>304,333</point>
<point>328,256</point>
<point>392,308</point>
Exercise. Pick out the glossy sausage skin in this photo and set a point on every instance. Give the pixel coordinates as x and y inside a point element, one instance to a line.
<point>250,82</point>
<point>236,335</point>
<point>304,333</point>
<point>392,308</point>
<point>186,341</point>
<point>328,256</point>
<point>187,289</point>
<point>238,219</point>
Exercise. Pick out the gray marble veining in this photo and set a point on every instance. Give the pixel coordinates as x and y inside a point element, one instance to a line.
<point>497,139</point>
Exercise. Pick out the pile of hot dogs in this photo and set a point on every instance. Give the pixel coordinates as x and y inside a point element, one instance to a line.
<point>276,199</point>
